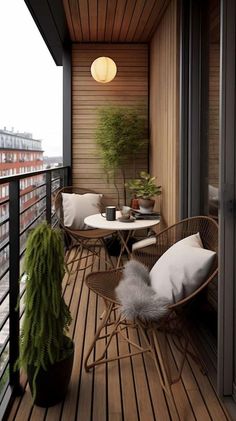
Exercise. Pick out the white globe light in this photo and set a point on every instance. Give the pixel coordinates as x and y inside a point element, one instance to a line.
<point>103,69</point>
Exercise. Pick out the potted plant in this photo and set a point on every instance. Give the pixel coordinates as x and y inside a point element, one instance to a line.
<point>145,188</point>
<point>46,353</point>
<point>120,135</point>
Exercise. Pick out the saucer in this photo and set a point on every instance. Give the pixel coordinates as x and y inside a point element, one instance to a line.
<point>122,219</point>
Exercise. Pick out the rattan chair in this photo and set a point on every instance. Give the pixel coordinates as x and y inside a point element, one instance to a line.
<point>152,333</point>
<point>84,239</point>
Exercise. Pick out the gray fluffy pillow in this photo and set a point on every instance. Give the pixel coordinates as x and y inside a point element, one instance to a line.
<point>137,297</point>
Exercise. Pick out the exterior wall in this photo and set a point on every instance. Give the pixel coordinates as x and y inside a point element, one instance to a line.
<point>164,100</point>
<point>13,161</point>
<point>129,88</point>
<point>19,153</point>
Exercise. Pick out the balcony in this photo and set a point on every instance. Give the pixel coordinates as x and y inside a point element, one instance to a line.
<point>128,389</point>
<point>176,62</point>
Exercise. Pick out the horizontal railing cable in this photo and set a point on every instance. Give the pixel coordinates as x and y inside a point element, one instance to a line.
<point>4,296</point>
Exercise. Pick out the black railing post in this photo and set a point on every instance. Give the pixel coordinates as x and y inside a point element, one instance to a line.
<point>14,274</point>
<point>66,177</point>
<point>48,197</point>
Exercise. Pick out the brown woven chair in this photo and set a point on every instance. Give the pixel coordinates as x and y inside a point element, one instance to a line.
<point>85,239</point>
<point>175,323</point>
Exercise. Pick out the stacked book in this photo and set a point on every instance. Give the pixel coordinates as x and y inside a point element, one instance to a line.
<point>139,215</point>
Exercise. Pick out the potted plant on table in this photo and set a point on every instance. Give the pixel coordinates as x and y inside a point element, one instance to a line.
<point>145,189</point>
<point>46,353</point>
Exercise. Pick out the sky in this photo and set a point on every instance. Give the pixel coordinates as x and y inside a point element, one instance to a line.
<point>30,81</point>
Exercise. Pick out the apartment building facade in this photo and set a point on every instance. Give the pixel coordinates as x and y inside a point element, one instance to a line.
<point>19,153</point>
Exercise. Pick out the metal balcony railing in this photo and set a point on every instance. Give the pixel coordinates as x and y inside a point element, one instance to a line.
<point>19,212</point>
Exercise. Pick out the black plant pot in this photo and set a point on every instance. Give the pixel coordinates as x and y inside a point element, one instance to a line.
<point>51,385</point>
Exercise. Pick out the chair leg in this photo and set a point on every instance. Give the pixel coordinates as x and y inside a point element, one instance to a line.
<point>83,245</point>
<point>79,257</point>
<point>97,335</point>
<point>196,357</point>
<point>153,346</point>
<point>194,354</point>
<point>184,351</point>
<point>107,253</point>
<point>98,255</point>
<point>163,370</point>
<point>117,327</point>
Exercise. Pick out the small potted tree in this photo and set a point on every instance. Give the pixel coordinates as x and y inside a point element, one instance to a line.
<point>145,189</point>
<point>46,353</point>
<point>120,135</point>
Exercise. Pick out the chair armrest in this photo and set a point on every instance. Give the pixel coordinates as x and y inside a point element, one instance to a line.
<point>144,243</point>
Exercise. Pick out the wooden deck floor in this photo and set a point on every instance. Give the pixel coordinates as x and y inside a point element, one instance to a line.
<point>127,390</point>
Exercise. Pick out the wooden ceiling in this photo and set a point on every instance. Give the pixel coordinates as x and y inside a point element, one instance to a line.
<point>113,20</point>
<point>214,21</point>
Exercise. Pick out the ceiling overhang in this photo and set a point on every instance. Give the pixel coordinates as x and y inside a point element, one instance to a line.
<point>63,21</point>
<point>50,19</point>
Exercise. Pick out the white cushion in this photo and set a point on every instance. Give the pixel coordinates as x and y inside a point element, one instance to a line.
<point>77,206</point>
<point>213,193</point>
<point>144,243</point>
<point>181,269</point>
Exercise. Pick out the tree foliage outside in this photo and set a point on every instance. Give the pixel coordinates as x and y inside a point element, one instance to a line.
<point>120,135</point>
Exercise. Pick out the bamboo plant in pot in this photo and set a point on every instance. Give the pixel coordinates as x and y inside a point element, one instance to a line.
<point>145,189</point>
<point>120,135</point>
<point>46,353</point>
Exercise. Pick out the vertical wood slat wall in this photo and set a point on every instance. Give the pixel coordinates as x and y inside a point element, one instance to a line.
<point>214,104</point>
<point>129,88</point>
<point>164,100</point>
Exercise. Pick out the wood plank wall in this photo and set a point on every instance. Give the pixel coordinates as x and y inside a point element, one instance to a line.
<point>129,88</point>
<point>213,122</point>
<point>164,117</point>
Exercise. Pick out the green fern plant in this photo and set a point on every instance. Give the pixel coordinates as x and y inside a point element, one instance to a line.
<point>47,317</point>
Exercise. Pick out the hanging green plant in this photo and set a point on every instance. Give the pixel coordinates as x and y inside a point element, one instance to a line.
<point>47,317</point>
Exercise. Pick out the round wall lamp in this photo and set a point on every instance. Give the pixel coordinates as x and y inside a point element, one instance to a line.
<point>103,69</point>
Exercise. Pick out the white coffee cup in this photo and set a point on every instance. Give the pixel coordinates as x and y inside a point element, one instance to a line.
<point>125,212</point>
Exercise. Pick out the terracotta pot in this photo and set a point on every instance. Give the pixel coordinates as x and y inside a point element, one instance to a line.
<point>146,205</point>
<point>134,204</point>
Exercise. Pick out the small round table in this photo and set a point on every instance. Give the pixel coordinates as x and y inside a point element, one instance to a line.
<point>98,221</point>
